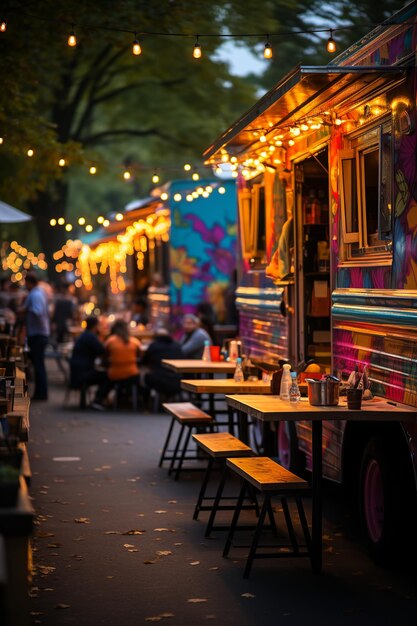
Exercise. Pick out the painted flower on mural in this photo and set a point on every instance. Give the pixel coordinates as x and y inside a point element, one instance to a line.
<point>183,267</point>
<point>222,258</point>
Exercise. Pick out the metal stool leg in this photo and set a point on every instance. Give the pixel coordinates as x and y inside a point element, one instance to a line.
<point>183,453</point>
<point>304,525</point>
<point>175,453</point>
<point>216,502</point>
<point>203,487</point>
<point>235,519</point>
<point>164,449</point>
<point>265,507</point>
<point>290,526</point>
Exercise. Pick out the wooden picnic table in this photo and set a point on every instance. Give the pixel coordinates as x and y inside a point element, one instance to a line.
<point>198,366</point>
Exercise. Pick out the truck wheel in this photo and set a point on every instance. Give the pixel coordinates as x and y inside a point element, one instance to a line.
<point>384,500</point>
<point>289,455</point>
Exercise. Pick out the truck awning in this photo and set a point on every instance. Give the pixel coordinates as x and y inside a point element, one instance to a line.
<point>307,90</point>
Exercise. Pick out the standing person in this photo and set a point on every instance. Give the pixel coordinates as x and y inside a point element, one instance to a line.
<point>194,338</point>
<point>63,312</point>
<point>36,313</point>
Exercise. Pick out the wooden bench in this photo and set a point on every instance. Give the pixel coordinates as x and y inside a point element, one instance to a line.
<point>188,416</point>
<point>218,446</point>
<point>270,479</point>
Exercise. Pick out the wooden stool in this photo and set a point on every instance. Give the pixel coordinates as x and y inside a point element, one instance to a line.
<point>188,416</point>
<point>270,479</point>
<point>219,446</point>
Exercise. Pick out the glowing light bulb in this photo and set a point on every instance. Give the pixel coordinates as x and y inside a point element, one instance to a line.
<point>197,50</point>
<point>3,26</point>
<point>1,140</point>
<point>81,221</point>
<point>126,175</point>
<point>331,44</point>
<point>61,221</point>
<point>62,162</point>
<point>155,178</point>
<point>187,167</point>
<point>267,51</point>
<point>72,40</point>
<point>106,223</point>
<point>136,49</point>
<point>52,222</point>
<point>88,228</point>
<point>118,217</point>
<point>221,190</point>
<point>195,176</point>
<point>30,152</point>
<point>262,138</point>
<point>291,142</point>
<point>68,227</point>
<point>93,169</point>
<point>177,197</point>
<point>164,195</point>
<point>100,219</point>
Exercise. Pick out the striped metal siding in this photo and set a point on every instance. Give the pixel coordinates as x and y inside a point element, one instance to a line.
<point>379,328</point>
<point>263,329</point>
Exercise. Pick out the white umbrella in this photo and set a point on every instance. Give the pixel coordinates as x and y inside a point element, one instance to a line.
<point>9,214</point>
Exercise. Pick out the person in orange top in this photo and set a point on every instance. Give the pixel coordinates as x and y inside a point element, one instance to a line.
<point>122,353</point>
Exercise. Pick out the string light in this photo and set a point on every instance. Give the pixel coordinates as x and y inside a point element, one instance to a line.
<point>126,175</point>
<point>155,178</point>
<point>100,219</point>
<point>93,170</point>
<point>1,140</point>
<point>3,26</point>
<point>62,162</point>
<point>187,167</point>
<point>61,221</point>
<point>164,196</point>
<point>136,49</point>
<point>52,222</point>
<point>89,228</point>
<point>267,49</point>
<point>331,44</point>
<point>30,152</point>
<point>72,40</point>
<point>197,50</point>
<point>118,217</point>
<point>195,176</point>
<point>68,227</point>
<point>81,221</point>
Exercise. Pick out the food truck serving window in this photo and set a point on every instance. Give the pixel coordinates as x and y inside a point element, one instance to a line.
<point>366,191</point>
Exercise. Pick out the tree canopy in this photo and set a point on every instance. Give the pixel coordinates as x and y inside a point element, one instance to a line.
<point>98,104</point>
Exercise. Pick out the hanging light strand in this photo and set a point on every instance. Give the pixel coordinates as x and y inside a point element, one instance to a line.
<point>331,44</point>
<point>197,49</point>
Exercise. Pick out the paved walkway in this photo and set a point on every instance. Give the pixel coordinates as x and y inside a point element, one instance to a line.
<point>116,544</point>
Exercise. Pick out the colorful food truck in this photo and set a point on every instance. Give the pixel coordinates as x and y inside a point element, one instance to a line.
<point>327,195</point>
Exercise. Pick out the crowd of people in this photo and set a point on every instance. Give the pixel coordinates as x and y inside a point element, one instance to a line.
<point>101,357</point>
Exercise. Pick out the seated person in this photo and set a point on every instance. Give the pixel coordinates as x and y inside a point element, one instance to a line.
<point>139,314</point>
<point>87,349</point>
<point>122,353</point>
<point>194,338</point>
<point>159,377</point>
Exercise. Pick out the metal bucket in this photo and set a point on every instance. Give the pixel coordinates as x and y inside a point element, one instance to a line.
<point>323,392</point>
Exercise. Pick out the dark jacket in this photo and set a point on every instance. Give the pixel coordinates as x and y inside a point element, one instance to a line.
<point>87,349</point>
<point>160,377</point>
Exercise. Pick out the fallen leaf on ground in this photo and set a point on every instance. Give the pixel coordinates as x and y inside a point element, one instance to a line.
<point>128,545</point>
<point>164,530</point>
<point>177,544</point>
<point>112,532</point>
<point>165,615</point>
<point>172,502</point>
<point>48,589</point>
<point>63,606</point>
<point>54,545</point>
<point>82,520</point>
<point>149,562</point>
<point>195,563</point>
<point>109,577</point>
<point>248,595</point>
<point>36,613</point>
<point>213,569</point>
<point>156,618</point>
<point>42,533</point>
<point>159,512</point>
<point>163,552</point>
<point>196,600</point>
<point>46,569</point>
<point>134,532</point>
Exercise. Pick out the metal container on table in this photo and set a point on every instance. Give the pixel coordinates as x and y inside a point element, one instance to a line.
<point>323,392</point>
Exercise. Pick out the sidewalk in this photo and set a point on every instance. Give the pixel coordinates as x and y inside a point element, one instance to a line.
<point>116,543</point>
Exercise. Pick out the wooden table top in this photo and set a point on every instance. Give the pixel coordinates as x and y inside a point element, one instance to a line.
<point>273,409</point>
<point>225,385</point>
<point>198,366</point>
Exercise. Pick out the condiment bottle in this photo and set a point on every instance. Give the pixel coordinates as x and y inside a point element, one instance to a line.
<point>284,393</point>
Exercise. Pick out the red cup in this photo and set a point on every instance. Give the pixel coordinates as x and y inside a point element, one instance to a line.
<point>215,353</point>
